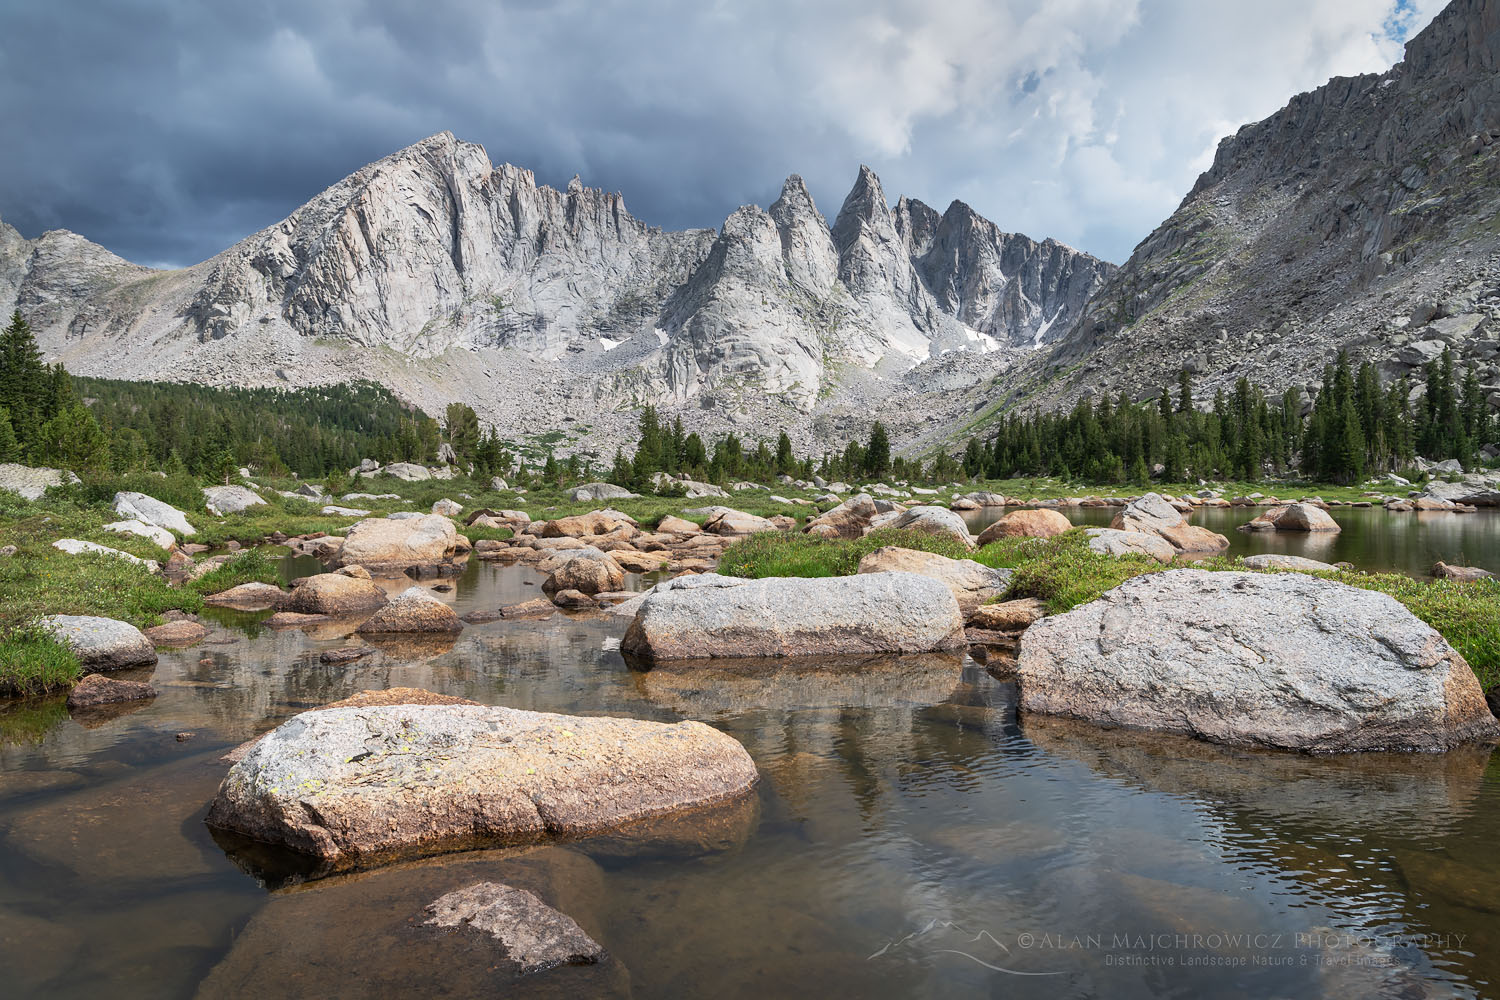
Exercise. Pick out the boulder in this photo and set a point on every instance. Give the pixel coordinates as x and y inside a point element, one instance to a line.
<point>850,519</point>
<point>332,594</point>
<point>587,570</point>
<point>1026,524</point>
<point>678,526</point>
<point>963,503</point>
<point>533,934</point>
<point>937,521</point>
<point>590,492</point>
<point>1278,560</point>
<point>247,597</point>
<point>448,508</point>
<point>344,654</point>
<point>413,610</point>
<point>737,523</point>
<point>382,545</point>
<point>595,522</point>
<point>77,547</point>
<point>1282,660</point>
<point>334,510</point>
<point>1475,492</point>
<point>140,507</point>
<point>359,785</point>
<point>140,529</point>
<point>32,481</point>
<point>714,617</point>
<point>95,690</point>
<point>1114,542</point>
<point>178,633</point>
<point>498,485</point>
<point>101,643</point>
<point>1294,517</point>
<point>1008,616</point>
<point>972,584</point>
<point>1462,573</point>
<point>221,500</point>
<point>1153,515</point>
<point>405,471</point>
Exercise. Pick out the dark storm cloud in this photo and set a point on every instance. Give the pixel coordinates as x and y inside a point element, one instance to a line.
<point>168,129</point>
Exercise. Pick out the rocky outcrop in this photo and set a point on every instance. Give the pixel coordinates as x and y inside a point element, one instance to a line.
<point>413,610</point>
<point>31,481</point>
<point>589,492</point>
<point>355,786</point>
<point>1152,515</point>
<point>101,643</point>
<point>533,934</point>
<point>1344,221</point>
<point>972,584</point>
<point>703,617</point>
<point>1285,660</point>
<point>421,544</point>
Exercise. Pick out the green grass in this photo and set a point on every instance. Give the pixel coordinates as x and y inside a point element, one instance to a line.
<point>478,532</point>
<point>252,566</point>
<point>32,662</point>
<point>795,554</point>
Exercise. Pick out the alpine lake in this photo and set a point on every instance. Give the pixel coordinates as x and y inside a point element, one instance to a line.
<point>910,834</point>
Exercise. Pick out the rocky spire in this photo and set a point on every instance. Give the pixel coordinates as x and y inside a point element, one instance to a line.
<point>807,249</point>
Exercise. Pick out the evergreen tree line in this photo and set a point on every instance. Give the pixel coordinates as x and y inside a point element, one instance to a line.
<point>1355,427</point>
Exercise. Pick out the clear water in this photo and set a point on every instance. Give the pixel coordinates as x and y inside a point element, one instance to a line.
<point>910,836</point>
<point>1371,538</point>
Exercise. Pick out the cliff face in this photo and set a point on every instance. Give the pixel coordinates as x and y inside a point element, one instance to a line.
<point>1359,217</point>
<point>434,250</point>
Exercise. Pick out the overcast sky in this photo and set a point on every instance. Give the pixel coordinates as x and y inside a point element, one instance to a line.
<point>169,129</point>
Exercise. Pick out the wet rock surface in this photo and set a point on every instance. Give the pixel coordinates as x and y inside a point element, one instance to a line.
<point>532,934</point>
<point>96,690</point>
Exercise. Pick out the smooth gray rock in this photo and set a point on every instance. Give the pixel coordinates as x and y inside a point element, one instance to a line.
<point>782,616</point>
<point>972,583</point>
<point>534,935</point>
<point>598,491</point>
<point>407,471</point>
<point>1277,560</point>
<point>939,521</point>
<point>1115,542</point>
<point>1282,660</point>
<point>101,643</point>
<point>221,500</point>
<point>1476,492</point>
<point>75,546</point>
<point>381,544</point>
<point>140,507</point>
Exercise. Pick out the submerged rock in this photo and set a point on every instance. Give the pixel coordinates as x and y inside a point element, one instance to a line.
<point>354,785</point>
<point>413,610</point>
<point>534,935</point>
<point>101,643</point>
<point>178,633</point>
<point>96,689</point>
<point>713,616</point>
<point>1276,660</point>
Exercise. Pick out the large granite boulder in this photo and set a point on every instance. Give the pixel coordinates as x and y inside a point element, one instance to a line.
<point>1114,542</point>
<point>408,472</point>
<point>1293,517</point>
<point>784,616</point>
<point>32,481</point>
<point>332,594</point>
<point>589,492</point>
<point>586,570</point>
<point>101,643</point>
<point>383,545</point>
<point>358,785</point>
<point>140,507</point>
<point>595,522</point>
<point>221,500</point>
<point>737,523</point>
<point>140,529</point>
<point>1153,515</point>
<point>1036,523</point>
<point>972,584</point>
<point>415,609</point>
<point>1285,661</point>
<point>937,521</point>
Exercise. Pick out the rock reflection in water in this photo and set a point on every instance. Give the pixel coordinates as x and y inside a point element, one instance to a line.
<point>703,688</point>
